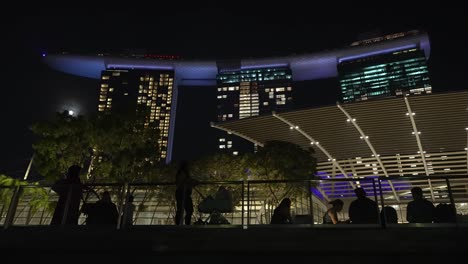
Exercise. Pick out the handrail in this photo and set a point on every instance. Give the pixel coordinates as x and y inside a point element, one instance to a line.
<point>248,188</point>
<point>315,179</point>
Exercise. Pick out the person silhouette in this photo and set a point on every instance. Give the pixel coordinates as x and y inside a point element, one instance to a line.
<point>103,212</point>
<point>129,210</point>
<point>331,216</point>
<point>282,213</point>
<point>389,215</point>
<point>70,192</point>
<point>184,186</point>
<point>363,210</point>
<point>419,210</point>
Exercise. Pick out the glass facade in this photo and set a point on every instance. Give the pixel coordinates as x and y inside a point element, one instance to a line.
<point>251,92</point>
<point>147,92</point>
<point>393,74</point>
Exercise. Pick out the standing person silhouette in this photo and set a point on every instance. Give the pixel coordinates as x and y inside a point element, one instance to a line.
<point>184,186</point>
<point>419,210</point>
<point>129,210</point>
<point>363,210</point>
<point>70,191</point>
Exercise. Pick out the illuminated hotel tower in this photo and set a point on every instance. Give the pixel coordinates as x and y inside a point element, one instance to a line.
<point>250,92</point>
<point>392,72</point>
<point>148,92</point>
<point>384,66</point>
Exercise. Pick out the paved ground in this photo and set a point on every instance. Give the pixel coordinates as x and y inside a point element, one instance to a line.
<point>171,243</point>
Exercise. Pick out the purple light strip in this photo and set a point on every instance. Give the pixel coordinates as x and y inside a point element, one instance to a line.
<point>250,67</point>
<point>367,54</point>
<point>129,66</point>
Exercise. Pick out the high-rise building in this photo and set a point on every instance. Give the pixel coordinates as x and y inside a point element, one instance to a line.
<point>394,73</point>
<point>251,92</point>
<point>381,66</point>
<point>148,92</point>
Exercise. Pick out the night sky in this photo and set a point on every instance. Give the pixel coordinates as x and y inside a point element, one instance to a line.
<point>31,91</point>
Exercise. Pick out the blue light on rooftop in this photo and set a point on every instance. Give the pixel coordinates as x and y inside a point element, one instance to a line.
<point>378,52</point>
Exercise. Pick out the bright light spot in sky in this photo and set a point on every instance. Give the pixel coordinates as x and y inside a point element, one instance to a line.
<point>70,112</point>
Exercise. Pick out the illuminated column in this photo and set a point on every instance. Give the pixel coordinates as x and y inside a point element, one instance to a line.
<point>238,134</point>
<point>315,143</point>
<point>466,149</point>
<point>369,144</point>
<point>416,133</point>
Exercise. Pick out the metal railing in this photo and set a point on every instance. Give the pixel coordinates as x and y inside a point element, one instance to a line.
<point>253,201</point>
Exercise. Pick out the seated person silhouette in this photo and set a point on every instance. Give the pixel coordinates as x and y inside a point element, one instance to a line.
<point>331,216</point>
<point>103,212</point>
<point>445,213</point>
<point>389,215</point>
<point>220,203</point>
<point>282,213</point>
<point>419,210</point>
<point>363,210</point>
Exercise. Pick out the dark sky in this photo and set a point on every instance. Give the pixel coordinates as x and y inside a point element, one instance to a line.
<point>31,91</point>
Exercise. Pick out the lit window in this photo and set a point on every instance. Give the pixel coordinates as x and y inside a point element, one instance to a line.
<point>105,77</point>
<point>265,103</point>
<point>116,74</point>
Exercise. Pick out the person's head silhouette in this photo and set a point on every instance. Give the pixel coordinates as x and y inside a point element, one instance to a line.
<point>360,193</point>
<point>73,172</point>
<point>337,204</point>
<point>184,165</point>
<point>417,193</point>
<point>389,214</point>
<point>106,197</point>
<point>285,203</point>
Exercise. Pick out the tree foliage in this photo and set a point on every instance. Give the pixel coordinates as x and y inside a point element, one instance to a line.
<point>125,151</point>
<point>61,143</point>
<point>220,167</point>
<point>36,196</point>
<point>280,160</point>
<point>117,148</point>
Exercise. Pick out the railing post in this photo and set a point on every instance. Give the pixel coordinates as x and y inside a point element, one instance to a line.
<point>243,198</point>
<point>311,202</point>
<point>12,208</point>
<point>122,200</point>
<point>452,201</point>
<point>248,203</point>
<point>382,223</point>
